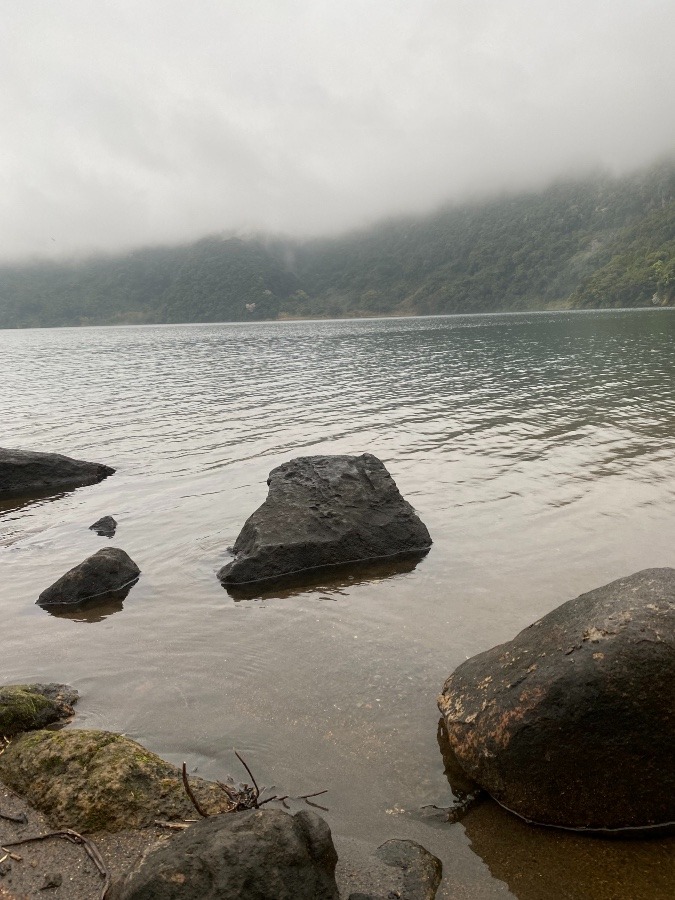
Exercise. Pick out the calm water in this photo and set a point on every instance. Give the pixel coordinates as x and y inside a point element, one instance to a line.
<point>538,449</point>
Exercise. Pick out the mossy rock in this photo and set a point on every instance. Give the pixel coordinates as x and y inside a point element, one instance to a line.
<point>100,781</point>
<point>25,707</point>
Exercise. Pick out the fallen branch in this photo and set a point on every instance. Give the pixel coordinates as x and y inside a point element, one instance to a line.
<point>243,762</point>
<point>246,796</point>
<point>75,838</point>
<point>188,791</point>
<point>20,820</point>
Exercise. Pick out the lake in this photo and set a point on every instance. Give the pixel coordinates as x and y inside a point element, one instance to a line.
<point>537,448</point>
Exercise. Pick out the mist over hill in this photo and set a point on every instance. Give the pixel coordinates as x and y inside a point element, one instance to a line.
<point>589,243</point>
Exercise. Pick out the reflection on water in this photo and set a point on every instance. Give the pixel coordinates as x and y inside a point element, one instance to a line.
<point>538,450</point>
<point>327,581</point>
<point>95,609</point>
<point>539,863</point>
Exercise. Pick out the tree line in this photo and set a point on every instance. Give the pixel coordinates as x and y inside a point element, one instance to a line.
<point>588,243</point>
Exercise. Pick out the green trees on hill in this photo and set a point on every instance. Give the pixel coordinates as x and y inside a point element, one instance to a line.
<point>590,243</point>
<point>639,268</point>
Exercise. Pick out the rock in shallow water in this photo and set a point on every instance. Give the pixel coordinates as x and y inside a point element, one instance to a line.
<point>325,511</point>
<point>109,570</point>
<point>104,527</point>
<point>257,855</point>
<point>572,723</point>
<point>24,472</point>
<point>24,707</point>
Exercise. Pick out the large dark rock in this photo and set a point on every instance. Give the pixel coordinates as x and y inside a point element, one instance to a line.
<point>257,855</point>
<point>107,571</point>
<point>24,707</point>
<point>24,473</point>
<point>572,723</point>
<point>93,780</point>
<point>325,511</point>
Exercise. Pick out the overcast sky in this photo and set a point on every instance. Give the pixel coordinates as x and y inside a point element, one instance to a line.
<point>128,122</point>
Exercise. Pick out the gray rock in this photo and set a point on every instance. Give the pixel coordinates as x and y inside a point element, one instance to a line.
<point>421,872</point>
<point>51,880</point>
<point>257,855</point>
<point>324,511</point>
<point>572,723</point>
<point>107,571</point>
<point>399,868</point>
<point>24,707</point>
<point>24,473</point>
<point>104,527</point>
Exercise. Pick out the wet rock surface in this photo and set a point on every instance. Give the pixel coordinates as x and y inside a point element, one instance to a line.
<point>324,511</point>
<point>258,854</point>
<point>420,871</point>
<point>93,780</point>
<point>397,869</point>
<point>104,527</point>
<point>26,473</point>
<point>107,571</point>
<point>24,707</point>
<point>572,723</point>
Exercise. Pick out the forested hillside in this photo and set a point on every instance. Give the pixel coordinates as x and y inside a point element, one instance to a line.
<point>597,242</point>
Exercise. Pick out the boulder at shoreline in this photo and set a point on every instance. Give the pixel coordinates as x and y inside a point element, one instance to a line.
<point>93,780</point>
<point>24,707</point>
<point>261,854</point>
<point>106,571</point>
<point>25,472</point>
<point>324,511</point>
<point>572,723</point>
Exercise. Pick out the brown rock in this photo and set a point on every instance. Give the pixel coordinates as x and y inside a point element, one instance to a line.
<point>572,723</point>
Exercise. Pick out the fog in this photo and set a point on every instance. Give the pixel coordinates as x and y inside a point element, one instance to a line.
<point>127,123</point>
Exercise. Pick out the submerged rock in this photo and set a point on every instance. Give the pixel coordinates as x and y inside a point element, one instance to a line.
<point>98,780</point>
<point>106,571</point>
<point>25,472</point>
<point>572,723</point>
<point>258,855</point>
<point>104,527</point>
<point>325,511</point>
<point>24,707</point>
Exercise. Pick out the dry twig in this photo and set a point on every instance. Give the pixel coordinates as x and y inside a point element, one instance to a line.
<point>20,820</point>
<point>246,796</point>
<point>188,791</point>
<point>75,838</point>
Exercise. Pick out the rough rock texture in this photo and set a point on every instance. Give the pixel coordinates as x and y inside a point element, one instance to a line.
<point>24,472</point>
<point>110,569</point>
<point>324,511</point>
<point>97,780</point>
<point>421,871</point>
<point>105,527</point>
<point>24,707</point>
<point>257,855</point>
<point>572,723</point>
<point>399,868</point>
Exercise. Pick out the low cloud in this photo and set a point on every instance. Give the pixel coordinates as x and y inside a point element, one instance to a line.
<point>132,123</point>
